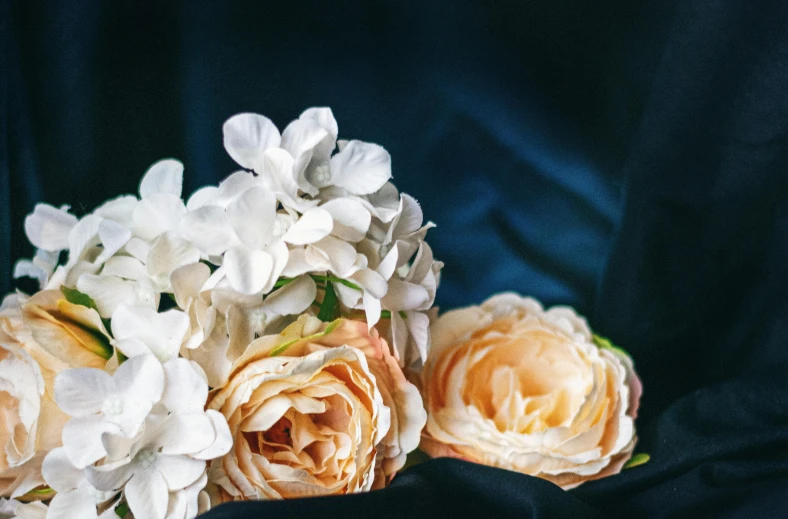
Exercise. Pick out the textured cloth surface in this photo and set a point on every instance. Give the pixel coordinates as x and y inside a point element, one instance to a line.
<point>629,159</point>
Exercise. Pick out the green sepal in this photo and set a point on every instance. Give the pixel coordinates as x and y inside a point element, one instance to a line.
<point>75,297</point>
<point>605,344</point>
<point>637,460</point>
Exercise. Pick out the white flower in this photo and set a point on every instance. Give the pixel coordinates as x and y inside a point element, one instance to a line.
<point>151,445</point>
<point>140,331</point>
<point>75,497</point>
<point>102,403</point>
<point>13,509</point>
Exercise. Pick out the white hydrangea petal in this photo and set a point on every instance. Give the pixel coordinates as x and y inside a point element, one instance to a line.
<point>81,391</point>
<point>138,248</point>
<point>169,252</point>
<point>248,271</point>
<point>48,228</point>
<point>405,296</point>
<point>208,195</point>
<point>299,138</point>
<point>297,263</point>
<point>277,173</point>
<point>399,338</point>
<point>247,136</point>
<point>162,332</point>
<point>141,379</point>
<point>185,434</point>
<point>371,281</point>
<point>59,473</point>
<point>83,236</point>
<point>293,298</point>
<point>185,389</point>
<point>351,218</point>
<point>384,203</point>
<point>252,216</point>
<point>110,476</point>
<point>208,228</point>
<point>125,267</point>
<point>187,282</point>
<point>313,226</point>
<point>224,439</point>
<point>235,185</point>
<point>371,309</point>
<point>361,167</point>
<point>418,325</point>
<point>180,471</point>
<point>147,495</point>
<point>113,237</point>
<point>163,177</point>
<point>410,218</point>
<point>82,439</point>
<point>26,268</point>
<point>75,503</point>
<point>340,254</point>
<point>120,209</point>
<point>156,214</point>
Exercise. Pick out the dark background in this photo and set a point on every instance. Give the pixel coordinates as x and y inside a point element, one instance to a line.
<point>627,158</point>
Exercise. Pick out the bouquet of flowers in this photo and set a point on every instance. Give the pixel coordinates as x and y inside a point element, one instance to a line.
<point>274,336</point>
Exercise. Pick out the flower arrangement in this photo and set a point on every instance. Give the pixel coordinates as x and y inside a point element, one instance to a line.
<point>270,337</point>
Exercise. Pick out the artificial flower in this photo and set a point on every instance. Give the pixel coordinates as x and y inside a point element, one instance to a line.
<point>320,409</point>
<point>515,386</point>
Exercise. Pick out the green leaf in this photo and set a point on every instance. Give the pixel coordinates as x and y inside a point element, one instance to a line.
<point>637,460</point>
<point>75,297</point>
<point>329,309</point>
<point>605,344</point>
<point>386,314</point>
<point>334,279</point>
<point>122,510</point>
<point>282,282</point>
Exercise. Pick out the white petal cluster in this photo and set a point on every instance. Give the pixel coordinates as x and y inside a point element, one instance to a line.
<point>139,436</point>
<point>309,217</point>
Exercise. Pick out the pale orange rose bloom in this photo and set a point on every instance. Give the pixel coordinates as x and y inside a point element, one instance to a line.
<point>320,409</point>
<point>515,386</point>
<point>30,421</point>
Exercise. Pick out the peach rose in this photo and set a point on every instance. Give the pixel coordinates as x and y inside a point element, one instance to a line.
<point>320,409</point>
<point>515,386</point>
<point>30,421</point>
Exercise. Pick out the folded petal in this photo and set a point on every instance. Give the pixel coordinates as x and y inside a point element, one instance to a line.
<point>247,136</point>
<point>185,389</point>
<point>180,471</point>
<point>48,227</point>
<point>165,176</point>
<point>293,298</point>
<point>405,296</point>
<point>209,229</point>
<point>169,252</point>
<point>248,271</point>
<point>82,439</point>
<point>81,391</point>
<point>113,236</point>
<point>361,168</point>
<point>252,216</point>
<point>223,441</point>
<point>147,495</point>
<point>314,225</point>
<point>351,218</point>
<point>59,473</point>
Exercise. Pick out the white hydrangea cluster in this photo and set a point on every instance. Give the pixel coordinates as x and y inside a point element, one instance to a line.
<point>140,437</point>
<point>300,229</point>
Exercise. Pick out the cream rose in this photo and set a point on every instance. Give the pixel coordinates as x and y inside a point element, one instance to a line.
<point>30,421</point>
<point>515,386</point>
<point>317,410</point>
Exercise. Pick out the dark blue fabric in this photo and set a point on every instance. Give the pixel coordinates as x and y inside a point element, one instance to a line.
<point>627,158</point>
